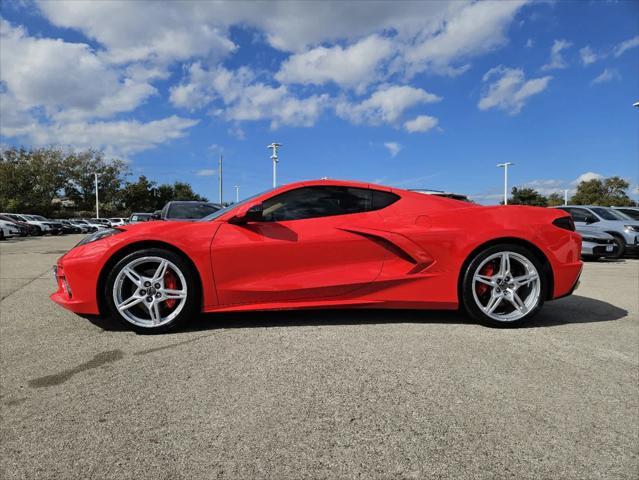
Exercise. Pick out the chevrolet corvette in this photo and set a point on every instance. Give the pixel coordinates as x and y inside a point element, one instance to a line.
<point>326,244</point>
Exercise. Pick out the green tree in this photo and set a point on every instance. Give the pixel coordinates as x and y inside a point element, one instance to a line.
<point>527,196</point>
<point>606,192</point>
<point>183,191</point>
<point>555,199</point>
<point>138,196</point>
<point>31,179</point>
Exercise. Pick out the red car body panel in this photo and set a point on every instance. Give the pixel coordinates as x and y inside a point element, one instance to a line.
<point>408,255</point>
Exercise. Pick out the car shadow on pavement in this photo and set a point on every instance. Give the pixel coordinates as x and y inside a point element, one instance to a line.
<point>570,310</point>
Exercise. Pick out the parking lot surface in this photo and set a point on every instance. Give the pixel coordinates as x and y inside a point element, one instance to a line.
<point>321,394</point>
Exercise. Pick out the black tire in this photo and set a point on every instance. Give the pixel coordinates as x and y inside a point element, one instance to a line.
<point>621,247</point>
<point>468,303</point>
<point>191,304</point>
<point>590,258</point>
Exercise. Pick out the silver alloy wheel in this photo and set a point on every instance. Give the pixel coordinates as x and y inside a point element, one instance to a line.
<point>139,292</point>
<point>510,291</point>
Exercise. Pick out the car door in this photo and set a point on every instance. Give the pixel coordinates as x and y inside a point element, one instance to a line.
<point>300,250</point>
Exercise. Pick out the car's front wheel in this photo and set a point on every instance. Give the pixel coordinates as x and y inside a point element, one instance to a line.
<point>503,285</point>
<point>152,290</point>
<point>620,251</point>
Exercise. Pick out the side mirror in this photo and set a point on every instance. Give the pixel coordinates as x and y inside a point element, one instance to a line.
<point>251,214</point>
<point>590,219</point>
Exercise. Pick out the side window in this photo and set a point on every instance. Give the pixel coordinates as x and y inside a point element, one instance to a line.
<point>383,199</point>
<point>313,202</point>
<point>579,214</point>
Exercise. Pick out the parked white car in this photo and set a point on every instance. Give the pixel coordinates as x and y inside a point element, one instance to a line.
<point>8,229</point>
<point>117,222</point>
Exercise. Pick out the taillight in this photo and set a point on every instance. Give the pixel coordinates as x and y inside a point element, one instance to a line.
<point>564,222</point>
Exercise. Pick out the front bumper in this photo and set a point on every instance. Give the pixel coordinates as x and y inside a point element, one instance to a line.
<point>598,249</point>
<point>76,286</point>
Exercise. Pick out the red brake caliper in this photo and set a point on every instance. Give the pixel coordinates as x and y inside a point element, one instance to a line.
<point>170,283</point>
<point>489,271</point>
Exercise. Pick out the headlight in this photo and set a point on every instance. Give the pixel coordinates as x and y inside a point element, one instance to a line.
<point>99,235</point>
<point>632,228</point>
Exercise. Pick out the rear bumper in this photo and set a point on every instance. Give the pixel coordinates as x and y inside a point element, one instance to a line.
<point>567,279</point>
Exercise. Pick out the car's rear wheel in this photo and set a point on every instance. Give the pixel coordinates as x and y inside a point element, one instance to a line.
<point>503,285</point>
<point>152,290</point>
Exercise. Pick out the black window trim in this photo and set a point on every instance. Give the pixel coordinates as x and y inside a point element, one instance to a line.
<point>372,190</point>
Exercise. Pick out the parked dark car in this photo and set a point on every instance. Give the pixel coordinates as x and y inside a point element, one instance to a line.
<point>68,227</point>
<point>188,210</point>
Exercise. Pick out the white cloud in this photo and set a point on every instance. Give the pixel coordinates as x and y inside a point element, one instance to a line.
<point>474,29</point>
<point>607,75</point>
<point>430,34</point>
<point>354,66</point>
<point>530,43</point>
<point>385,105</point>
<point>421,123</point>
<point>548,186</point>
<point>206,172</point>
<point>244,99</point>
<point>67,79</point>
<point>588,56</point>
<point>586,177</point>
<point>626,45</point>
<point>509,90</point>
<point>393,148</point>
<point>556,57</point>
<point>136,31</point>
<point>123,137</point>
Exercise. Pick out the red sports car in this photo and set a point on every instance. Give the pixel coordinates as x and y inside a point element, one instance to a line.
<point>327,244</point>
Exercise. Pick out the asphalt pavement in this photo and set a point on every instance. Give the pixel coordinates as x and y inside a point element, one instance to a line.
<point>321,394</point>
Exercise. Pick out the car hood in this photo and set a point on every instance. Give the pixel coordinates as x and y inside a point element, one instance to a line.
<point>591,232</point>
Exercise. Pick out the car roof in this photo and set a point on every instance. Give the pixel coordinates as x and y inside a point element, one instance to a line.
<point>582,206</point>
<point>337,183</point>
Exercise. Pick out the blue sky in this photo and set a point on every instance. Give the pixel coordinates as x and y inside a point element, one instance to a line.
<point>410,94</point>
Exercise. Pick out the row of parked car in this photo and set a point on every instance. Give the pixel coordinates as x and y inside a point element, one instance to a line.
<point>611,232</point>
<point>22,225</point>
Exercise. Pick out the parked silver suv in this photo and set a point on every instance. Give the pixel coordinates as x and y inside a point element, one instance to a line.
<point>624,230</point>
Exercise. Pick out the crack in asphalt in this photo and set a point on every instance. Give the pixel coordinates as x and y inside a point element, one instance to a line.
<point>40,276</point>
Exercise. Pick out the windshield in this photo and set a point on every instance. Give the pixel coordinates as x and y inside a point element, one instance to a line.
<point>224,210</point>
<point>633,214</point>
<point>609,214</point>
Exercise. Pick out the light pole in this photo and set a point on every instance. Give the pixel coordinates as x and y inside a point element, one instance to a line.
<point>274,146</point>
<point>97,201</point>
<point>505,165</point>
<point>237,193</point>
<point>565,197</point>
